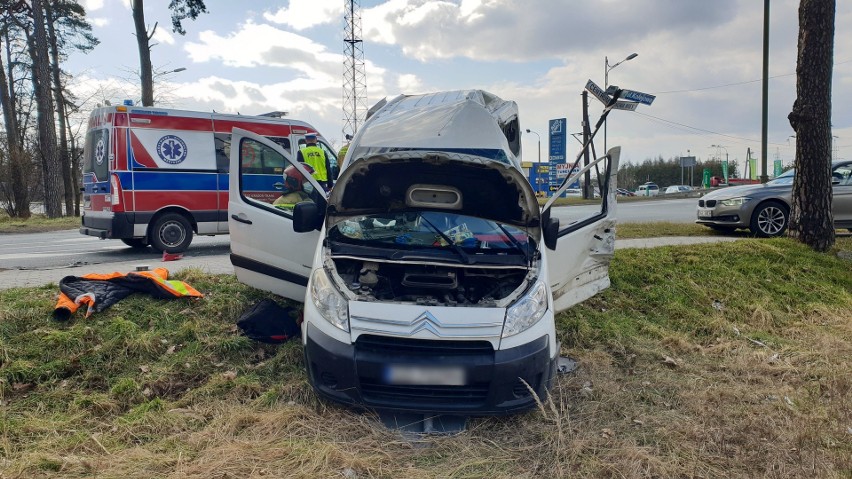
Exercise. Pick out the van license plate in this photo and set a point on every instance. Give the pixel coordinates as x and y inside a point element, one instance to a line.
<point>426,375</point>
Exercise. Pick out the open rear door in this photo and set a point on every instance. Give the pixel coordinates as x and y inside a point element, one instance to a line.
<point>265,250</point>
<point>578,268</point>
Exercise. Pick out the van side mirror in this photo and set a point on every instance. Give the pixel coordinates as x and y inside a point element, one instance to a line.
<point>551,233</point>
<point>306,217</point>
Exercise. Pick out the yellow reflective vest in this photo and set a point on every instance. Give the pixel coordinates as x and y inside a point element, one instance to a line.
<point>315,157</point>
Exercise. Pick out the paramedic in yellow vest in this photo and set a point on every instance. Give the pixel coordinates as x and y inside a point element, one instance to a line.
<point>314,155</point>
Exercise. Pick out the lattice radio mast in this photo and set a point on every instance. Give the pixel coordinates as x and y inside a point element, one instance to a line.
<point>354,74</point>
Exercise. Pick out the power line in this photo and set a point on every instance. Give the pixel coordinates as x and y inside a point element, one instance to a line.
<point>703,131</point>
<point>736,83</point>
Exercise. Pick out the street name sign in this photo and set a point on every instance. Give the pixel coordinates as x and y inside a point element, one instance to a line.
<point>638,96</point>
<point>605,98</point>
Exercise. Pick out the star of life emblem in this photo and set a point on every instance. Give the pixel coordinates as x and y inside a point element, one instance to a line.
<point>171,149</point>
<point>100,151</point>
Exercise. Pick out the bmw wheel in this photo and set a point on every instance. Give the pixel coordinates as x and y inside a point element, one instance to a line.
<point>770,219</point>
<point>171,233</point>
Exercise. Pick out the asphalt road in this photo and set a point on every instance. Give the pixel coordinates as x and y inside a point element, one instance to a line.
<point>67,249</point>
<point>675,211</point>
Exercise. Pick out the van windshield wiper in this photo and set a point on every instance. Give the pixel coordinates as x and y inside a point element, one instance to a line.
<point>517,244</point>
<point>458,249</point>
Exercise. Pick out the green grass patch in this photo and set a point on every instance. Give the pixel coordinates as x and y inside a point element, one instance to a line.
<point>664,228</point>
<point>728,359</point>
<point>37,224</point>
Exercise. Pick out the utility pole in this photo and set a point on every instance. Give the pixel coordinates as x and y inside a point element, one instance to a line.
<point>764,134</point>
<point>587,133</point>
<point>354,73</point>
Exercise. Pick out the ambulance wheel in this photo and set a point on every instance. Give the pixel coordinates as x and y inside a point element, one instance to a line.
<point>171,233</point>
<point>135,243</point>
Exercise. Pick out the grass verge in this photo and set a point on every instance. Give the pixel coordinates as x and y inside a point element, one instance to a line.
<point>36,224</point>
<point>716,360</point>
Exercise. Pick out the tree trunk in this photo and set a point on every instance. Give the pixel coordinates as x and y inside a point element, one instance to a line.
<point>811,221</point>
<point>17,182</point>
<point>59,96</point>
<point>52,180</point>
<point>146,73</point>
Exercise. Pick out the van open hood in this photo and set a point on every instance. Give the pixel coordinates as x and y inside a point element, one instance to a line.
<point>453,151</point>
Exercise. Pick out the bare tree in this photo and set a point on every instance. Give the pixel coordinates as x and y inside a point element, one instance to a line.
<point>811,221</point>
<point>181,10</point>
<point>33,27</point>
<point>66,24</point>
<point>16,193</point>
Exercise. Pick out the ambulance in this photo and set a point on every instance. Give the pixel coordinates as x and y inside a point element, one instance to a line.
<point>156,176</point>
<point>430,275</point>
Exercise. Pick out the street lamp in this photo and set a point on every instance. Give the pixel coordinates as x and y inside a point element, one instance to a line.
<point>157,75</point>
<point>607,68</point>
<point>725,165</point>
<point>539,157</point>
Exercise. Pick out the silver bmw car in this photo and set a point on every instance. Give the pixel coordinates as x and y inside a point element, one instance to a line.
<point>765,209</point>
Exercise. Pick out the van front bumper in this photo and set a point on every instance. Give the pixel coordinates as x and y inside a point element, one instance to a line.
<point>495,382</point>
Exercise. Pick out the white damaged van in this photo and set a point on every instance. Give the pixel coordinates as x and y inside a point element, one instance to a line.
<point>430,275</point>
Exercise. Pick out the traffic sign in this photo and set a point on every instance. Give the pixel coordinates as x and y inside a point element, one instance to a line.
<point>605,98</point>
<point>625,105</point>
<point>643,98</point>
<point>598,92</point>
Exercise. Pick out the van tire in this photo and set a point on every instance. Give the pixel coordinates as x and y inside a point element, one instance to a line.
<point>135,243</point>
<point>171,233</point>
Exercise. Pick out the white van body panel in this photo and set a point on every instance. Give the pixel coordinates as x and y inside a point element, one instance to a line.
<point>578,273</point>
<point>265,236</point>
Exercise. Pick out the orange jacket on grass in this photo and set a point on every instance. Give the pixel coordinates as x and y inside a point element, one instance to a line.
<point>100,291</point>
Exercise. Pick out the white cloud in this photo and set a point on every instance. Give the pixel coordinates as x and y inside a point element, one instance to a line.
<point>99,22</point>
<point>92,5</point>
<point>162,35</point>
<point>304,14</point>
<point>517,31</point>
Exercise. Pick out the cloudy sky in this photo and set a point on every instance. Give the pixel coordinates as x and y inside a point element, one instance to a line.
<point>702,59</point>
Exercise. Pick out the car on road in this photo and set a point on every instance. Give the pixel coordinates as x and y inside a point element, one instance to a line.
<point>648,189</point>
<point>765,209</point>
<point>674,189</point>
<point>624,192</point>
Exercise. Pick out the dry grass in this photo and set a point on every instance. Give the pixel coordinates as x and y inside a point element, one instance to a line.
<point>37,224</point>
<point>668,386</point>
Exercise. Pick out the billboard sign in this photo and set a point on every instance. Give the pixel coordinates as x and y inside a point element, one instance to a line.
<point>558,132</point>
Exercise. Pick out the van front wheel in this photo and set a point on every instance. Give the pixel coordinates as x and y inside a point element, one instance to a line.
<point>171,233</point>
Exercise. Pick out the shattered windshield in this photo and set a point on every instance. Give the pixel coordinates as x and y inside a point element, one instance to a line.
<point>431,229</point>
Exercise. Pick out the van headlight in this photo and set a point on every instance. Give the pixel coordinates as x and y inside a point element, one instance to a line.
<point>328,301</point>
<point>527,311</point>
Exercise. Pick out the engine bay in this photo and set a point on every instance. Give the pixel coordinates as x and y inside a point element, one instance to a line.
<point>431,285</point>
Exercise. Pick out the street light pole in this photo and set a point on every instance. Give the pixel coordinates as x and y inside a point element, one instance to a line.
<point>607,68</point>
<point>539,157</point>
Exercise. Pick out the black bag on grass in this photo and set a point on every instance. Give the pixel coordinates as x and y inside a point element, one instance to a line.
<point>268,322</point>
